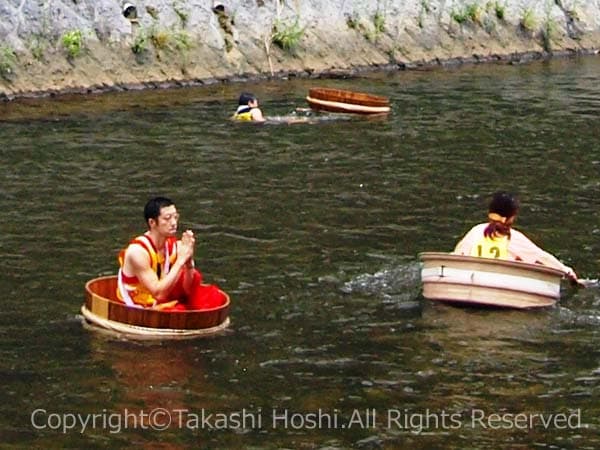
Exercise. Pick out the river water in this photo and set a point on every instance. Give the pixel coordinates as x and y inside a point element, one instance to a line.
<point>314,230</point>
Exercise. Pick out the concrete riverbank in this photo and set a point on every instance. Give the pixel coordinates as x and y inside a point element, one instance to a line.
<point>90,45</point>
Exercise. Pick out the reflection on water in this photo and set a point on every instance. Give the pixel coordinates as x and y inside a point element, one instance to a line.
<point>314,230</point>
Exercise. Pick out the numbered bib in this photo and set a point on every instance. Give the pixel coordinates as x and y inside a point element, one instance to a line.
<point>491,248</point>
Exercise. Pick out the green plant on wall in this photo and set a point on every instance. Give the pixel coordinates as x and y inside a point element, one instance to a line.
<point>287,35</point>
<point>471,12</point>
<point>474,12</point>
<point>528,20</point>
<point>378,27</point>
<point>370,33</point>
<point>425,9</point>
<point>72,41</point>
<point>8,60</point>
<point>573,13</point>
<point>160,38</point>
<point>459,16</point>
<point>549,31</point>
<point>140,42</point>
<point>182,41</point>
<point>226,23</point>
<point>163,39</point>
<point>152,11</point>
<point>182,14</point>
<point>37,47</point>
<point>499,10</point>
<point>353,21</point>
<point>379,22</point>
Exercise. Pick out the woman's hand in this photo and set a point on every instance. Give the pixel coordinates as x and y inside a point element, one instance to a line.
<point>572,276</point>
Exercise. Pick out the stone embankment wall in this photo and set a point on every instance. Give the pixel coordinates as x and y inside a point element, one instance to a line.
<point>51,46</point>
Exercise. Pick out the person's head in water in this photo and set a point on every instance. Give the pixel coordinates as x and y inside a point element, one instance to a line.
<point>502,212</point>
<point>248,99</point>
<point>248,108</point>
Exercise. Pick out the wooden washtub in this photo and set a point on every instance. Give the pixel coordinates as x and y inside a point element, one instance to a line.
<point>340,101</point>
<point>103,309</point>
<point>486,281</point>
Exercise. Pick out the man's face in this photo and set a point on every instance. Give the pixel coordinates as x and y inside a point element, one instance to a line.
<point>166,223</point>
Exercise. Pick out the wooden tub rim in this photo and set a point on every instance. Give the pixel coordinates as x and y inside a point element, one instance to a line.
<point>350,108</point>
<point>89,291</point>
<point>101,308</point>
<point>348,97</point>
<point>141,332</point>
<point>432,256</point>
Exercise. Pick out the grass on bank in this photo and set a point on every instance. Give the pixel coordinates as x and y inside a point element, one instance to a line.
<point>471,12</point>
<point>161,39</point>
<point>425,9</point>
<point>140,43</point>
<point>379,23</point>
<point>8,61</point>
<point>72,42</point>
<point>371,31</point>
<point>499,10</point>
<point>182,13</point>
<point>549,33</point>
<point>287,35</point>
<point>37,47</point>
<point>475,12</point>
<point>528,20</point>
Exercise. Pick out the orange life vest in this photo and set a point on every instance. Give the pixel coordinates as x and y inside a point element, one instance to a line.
<point>129,288</point>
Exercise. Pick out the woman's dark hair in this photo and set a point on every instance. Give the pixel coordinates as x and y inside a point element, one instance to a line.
<point>502,207</point>
<point>153,207</point>
<point>245,98</point>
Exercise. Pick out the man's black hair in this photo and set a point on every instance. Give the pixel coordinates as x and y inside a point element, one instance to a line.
<point>153,207</point>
